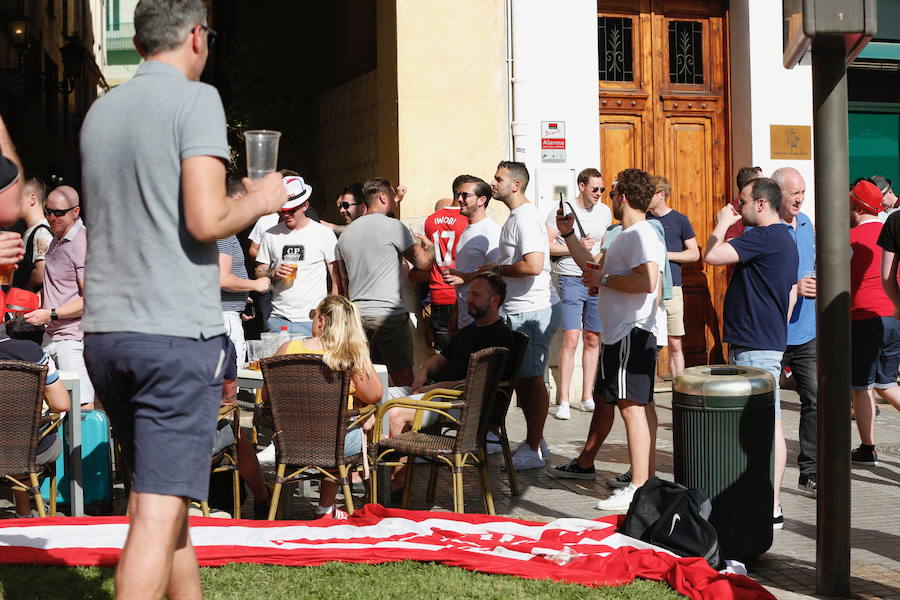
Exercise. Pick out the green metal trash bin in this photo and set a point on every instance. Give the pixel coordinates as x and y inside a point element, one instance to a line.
<point>723,429</point>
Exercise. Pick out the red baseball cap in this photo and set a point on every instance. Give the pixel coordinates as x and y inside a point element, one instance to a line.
<point>21,301</point>
<point>866,196</point>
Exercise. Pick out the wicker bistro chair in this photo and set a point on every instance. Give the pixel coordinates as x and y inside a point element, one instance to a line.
<point>21,402</point>
<point>451,451</point>
<point>310,415</point>
<point>497,418</point>
<point>226,460</point>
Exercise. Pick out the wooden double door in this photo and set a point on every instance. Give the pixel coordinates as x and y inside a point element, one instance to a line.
<point>663,108</point>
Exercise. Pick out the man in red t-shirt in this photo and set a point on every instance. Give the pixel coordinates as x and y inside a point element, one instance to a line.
<point>875,332</point>
<point>444,228</point>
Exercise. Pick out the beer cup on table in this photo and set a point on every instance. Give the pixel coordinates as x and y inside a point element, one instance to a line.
<point>262,152</point>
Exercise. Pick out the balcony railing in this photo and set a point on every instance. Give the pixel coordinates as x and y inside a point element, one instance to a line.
<point>120,39</point>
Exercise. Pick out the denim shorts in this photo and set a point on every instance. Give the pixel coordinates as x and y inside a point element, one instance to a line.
<point>768,360</point>
<point>539,326</point>
<point>876,353</point>
<point>162,396</point>
<point>579,309</point>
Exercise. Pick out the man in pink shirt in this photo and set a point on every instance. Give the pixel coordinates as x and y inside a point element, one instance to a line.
<point>62,301</point>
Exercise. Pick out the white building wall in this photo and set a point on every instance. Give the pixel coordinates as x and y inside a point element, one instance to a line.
<point>555,67</point>
<point>764,93</point>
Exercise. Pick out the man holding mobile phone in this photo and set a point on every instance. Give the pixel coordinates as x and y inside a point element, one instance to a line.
<point>580,316</point>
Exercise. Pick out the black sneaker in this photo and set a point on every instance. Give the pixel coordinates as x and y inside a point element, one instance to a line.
<point>807,483</point>
<point>572,470</point>
<point>860,456</point>
<point>620,481</point>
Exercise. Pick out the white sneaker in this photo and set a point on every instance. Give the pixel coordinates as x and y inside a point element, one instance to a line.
<point>545,450</point>
<point>587,406</point>
<point>619,500</point>
<point>526,458</point>
<point>562,412</point>
<point>267,455</point>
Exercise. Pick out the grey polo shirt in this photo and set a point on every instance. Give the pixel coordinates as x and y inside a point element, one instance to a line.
<point>144,272</point>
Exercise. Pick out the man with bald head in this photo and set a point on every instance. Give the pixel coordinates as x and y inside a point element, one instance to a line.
<point>800,354</point>
<point>62,297</point>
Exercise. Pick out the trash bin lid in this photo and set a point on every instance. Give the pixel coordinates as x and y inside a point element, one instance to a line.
<point>723,381</point>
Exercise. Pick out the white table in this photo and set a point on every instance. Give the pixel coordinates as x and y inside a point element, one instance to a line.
<point>253,380</point>
<point>72,382</point>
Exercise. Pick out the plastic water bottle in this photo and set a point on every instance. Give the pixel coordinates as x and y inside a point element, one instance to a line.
<point>283,336</point>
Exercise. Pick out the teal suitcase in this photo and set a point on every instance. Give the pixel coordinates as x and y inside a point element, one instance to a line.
<point>96,463</point>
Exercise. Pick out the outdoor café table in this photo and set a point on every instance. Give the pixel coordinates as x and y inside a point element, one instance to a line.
<point>71,381</point>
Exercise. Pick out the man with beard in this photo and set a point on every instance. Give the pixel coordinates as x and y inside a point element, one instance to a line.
<point>370,254</point>
<point>484,297</point>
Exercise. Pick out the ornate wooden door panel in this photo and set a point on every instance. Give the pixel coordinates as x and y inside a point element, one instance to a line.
<point>663,109</point>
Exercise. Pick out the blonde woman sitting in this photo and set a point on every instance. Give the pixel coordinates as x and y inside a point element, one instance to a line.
<point>339,337</point>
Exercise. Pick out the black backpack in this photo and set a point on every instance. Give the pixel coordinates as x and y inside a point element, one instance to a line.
<point>673,517</point>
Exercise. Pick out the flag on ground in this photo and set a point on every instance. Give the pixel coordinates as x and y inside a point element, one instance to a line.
<point>584,551</point>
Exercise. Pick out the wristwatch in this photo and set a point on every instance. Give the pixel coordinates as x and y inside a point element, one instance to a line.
<point>53,315</point>
<point>604,280</point>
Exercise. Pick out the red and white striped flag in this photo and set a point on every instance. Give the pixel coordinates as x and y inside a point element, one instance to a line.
<point>583,551</point>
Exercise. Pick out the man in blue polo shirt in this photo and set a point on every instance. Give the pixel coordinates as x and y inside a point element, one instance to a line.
<point>800,354</point>
<point>760,294</point>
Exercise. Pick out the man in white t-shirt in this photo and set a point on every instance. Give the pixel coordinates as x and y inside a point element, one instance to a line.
<point>298,255</point>
<point>629,300</point>
<point>477,245</point>
<point>531,305</point>
<point>579,309</point>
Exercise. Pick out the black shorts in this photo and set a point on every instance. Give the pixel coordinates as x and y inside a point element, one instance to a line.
<point>628,369</point>
<point>162,396</point>
<point>439,320</point>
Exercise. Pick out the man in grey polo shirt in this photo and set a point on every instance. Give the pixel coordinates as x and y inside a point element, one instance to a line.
<point>153,165</point>
<point>370,252</point>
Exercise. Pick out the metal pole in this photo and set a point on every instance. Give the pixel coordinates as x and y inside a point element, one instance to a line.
<point>832,308</point>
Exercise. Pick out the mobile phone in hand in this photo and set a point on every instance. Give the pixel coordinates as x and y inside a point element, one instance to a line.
<point>249,310</point>
<point>562,206</point>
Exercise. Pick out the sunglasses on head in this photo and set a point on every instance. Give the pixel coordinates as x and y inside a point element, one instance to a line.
<point>210,34</point>
<point>58,212</point>
<point>347,205</point>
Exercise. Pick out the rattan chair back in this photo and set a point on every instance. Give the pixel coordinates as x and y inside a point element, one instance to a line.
<point>508,382</point>
<point>21,400</point>
<point>482,380</point>
<point>309,409</point>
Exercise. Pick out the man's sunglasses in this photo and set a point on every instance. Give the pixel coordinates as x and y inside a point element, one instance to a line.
<point>464,195</point>
<point>289,211</point>
<point>598,189</point>
<point>347,205</point>
<point>58,212</point>
<point>210,35</point>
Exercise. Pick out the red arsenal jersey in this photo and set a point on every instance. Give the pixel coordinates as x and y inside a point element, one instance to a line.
<point>444,228</point>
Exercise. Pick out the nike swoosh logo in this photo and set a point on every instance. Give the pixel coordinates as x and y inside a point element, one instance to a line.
<point>675,518</point>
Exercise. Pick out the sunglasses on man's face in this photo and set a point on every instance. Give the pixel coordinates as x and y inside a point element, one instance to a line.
<point>598,189</point>
<point>347,205</point>
<point>211,35</point>
<point>58,212</point>
<point>286,212</point>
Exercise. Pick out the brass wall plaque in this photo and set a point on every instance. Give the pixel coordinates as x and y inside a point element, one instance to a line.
<point>791,142</point>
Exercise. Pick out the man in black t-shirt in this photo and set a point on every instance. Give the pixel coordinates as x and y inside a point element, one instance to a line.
<point>446,370</point>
